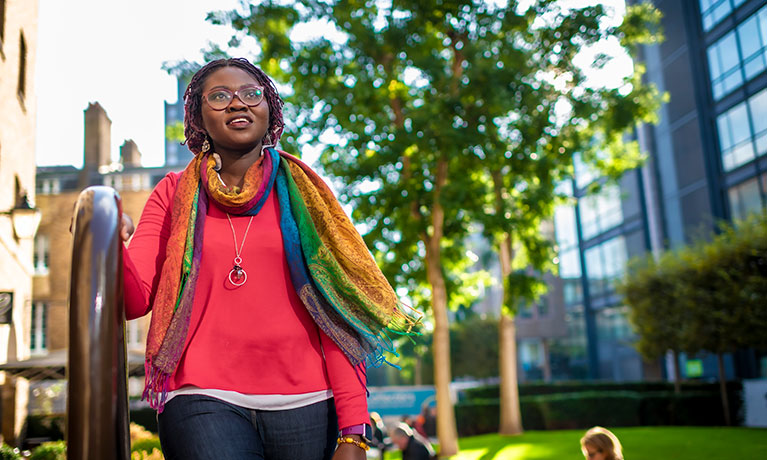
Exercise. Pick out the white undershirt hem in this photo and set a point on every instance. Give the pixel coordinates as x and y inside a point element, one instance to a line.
<point>257,402</point>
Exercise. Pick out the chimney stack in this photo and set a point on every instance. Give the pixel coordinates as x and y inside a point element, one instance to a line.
<point>130,157</point>
<point>98,137</point>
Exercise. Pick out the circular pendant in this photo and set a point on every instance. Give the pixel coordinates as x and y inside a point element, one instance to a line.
<point>237,276</point>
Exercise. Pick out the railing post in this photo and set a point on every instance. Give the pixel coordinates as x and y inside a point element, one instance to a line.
<point>97,412</point>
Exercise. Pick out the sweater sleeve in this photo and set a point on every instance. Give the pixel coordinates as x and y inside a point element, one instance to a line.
<point>144,256</point>
<point>348,384</point>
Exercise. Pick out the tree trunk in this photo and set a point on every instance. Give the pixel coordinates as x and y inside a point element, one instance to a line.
<point>677,373</point>
<point>723,389</point>
<point>446,428</point>
<point>418,373</point>
<point>511,418</point>
<point>546,361</point>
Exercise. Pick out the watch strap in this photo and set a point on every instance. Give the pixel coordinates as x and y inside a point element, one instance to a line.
<point>363,429</point>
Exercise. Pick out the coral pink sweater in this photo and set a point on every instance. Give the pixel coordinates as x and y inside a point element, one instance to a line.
<point>256,339</point>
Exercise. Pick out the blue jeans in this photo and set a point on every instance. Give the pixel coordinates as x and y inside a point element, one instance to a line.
<point>197,427</point>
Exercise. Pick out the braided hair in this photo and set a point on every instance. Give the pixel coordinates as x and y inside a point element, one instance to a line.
<point>193,131</point>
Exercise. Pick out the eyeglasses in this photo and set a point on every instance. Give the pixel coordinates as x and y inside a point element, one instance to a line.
<point>220,98</point>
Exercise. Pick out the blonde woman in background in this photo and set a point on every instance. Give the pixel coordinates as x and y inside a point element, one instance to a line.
<point>601,444</point>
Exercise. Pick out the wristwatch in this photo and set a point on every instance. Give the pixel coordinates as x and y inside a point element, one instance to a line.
<point>363,430</point>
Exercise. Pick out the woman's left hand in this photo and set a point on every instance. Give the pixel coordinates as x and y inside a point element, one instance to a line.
<point>350,451</point>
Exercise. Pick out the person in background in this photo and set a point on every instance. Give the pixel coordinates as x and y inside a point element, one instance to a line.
<point>413,445</point>
<point>378,440</point>
<point>601,444</point>
<point>430,422</point>
<point>420,420</point>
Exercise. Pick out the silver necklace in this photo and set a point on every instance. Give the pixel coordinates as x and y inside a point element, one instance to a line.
<point>237,275</point>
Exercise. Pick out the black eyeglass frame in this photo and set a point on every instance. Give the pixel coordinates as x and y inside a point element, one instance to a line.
<point>234,94</point>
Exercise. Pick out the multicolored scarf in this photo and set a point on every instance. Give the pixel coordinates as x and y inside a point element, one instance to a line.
<point>334,274</point>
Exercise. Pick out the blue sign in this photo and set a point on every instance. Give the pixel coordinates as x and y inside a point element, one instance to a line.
<point>397,401</point>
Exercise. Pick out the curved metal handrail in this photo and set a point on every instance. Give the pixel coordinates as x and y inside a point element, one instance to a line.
<point>97,412</point>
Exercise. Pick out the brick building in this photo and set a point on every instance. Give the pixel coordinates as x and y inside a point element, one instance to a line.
<point>57,189</point>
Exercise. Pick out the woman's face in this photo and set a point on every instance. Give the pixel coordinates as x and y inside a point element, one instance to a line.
<point>592,453</point>
<point>238,127</point>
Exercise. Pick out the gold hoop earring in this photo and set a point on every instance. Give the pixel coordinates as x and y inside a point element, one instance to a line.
<point>205,146</point>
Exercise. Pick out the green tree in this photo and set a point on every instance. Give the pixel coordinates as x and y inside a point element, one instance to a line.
<point>722,286</point>
<point>530,110</point>
<point>710,296</point>
<point>428,108</point>
<point>650,291</point>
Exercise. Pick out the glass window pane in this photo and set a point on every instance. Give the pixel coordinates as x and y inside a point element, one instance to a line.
<point>752,47</point>
<point>584,175</point>
<point>738,56</point>
<point>758,106</point>
<point>754,66</point>
<point>724,65</point>
<point>731,81</point>
<point>760,142</point>
<point>728,52</point>
<point>572,291</point>
<point>713,11</point>
<point>735,137</point>
<point>588,209</point>
<point>610,209</point>
<point>720,11</point>
<point>739,123</point>
<point>725,136</point>
<point>749,37</point>
<point>762,15</point>
<point>601,212</point>
<point>615,258</point>
<point>714,63</point>
<point>594,270</point>
<point>569,264</point>
<point>564,226</point>
<point>744,199</point>
<point>743,153</point>
<point>708,22</point>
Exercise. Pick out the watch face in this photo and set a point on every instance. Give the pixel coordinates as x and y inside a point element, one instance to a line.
<point>368,435</point>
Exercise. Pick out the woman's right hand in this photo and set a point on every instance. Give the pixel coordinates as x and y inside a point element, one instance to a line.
<point>126,227</point>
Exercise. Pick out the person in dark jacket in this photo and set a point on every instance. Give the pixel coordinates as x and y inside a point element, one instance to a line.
<point>413,445</point>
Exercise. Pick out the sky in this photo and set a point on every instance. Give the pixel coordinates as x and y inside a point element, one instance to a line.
<point>112,51</point>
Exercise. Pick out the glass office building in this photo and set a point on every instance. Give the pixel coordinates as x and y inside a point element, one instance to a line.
<point>707,161</point>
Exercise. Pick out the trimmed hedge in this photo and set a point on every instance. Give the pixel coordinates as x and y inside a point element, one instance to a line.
<point>584,410</point>
<point>608,408</point>
<point>478,417</point>
<point>533,389</point>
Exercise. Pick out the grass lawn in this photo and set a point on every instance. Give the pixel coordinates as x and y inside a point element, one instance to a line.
<point>641,443</point>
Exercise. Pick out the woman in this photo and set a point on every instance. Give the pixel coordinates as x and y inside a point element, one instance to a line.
<point>265,303</point>
<point>601,444</point>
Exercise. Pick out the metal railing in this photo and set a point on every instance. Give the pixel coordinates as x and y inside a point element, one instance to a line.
<point>97,412</point>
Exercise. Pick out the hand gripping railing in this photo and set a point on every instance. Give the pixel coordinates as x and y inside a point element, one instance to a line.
<point>97,412</point>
